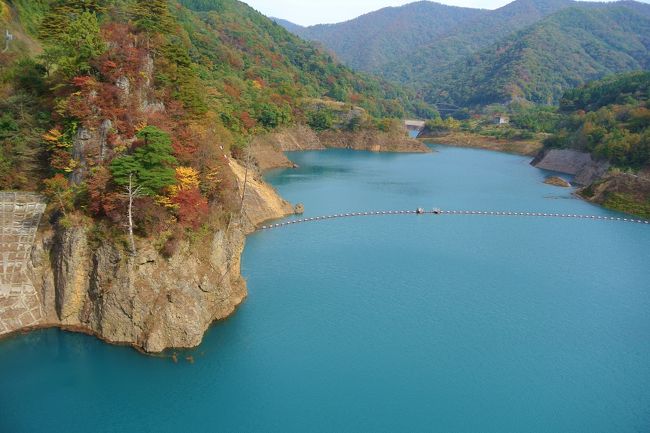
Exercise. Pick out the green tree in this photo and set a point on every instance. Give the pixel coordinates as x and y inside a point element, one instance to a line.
<point>320,120</point>
<point>153,16</point>
<point>150,166</point>
<point>71,53</point>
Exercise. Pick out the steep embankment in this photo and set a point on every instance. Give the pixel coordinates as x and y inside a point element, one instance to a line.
<point>622,191</point>
<point>625,192</point>
<point>579,164</point>
<point>149,301</point>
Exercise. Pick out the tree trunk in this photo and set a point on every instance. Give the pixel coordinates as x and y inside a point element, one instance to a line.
<point>132,194</point>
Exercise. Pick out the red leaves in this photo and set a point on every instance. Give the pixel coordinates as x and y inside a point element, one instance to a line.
<point>83,81</point>
<point>97,185</point>
<point>192,207</point>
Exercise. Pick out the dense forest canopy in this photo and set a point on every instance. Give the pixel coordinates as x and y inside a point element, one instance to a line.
<point>609,118</point>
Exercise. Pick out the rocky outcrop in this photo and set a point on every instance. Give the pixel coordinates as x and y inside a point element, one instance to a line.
<point>580,164</point>
<point>267,150</point>
<point>148,301</point>
<point>625,192</point>
<point>261,202</point>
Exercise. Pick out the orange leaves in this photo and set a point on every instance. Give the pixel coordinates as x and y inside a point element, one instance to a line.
<point>53,137</point>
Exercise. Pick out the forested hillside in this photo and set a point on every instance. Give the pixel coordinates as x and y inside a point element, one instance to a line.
<point>608,118</point>
<point>370,42</point>
<point>103,97</point>
<point>468,37</point>
<point>539,63</point>
<point>528,49</point>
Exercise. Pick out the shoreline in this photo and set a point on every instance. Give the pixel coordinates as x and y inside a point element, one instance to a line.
<point>265,162</point>
<point>474,141</point>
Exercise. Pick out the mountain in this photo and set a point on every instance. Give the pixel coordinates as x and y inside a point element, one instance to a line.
<point>296,29</point>
<point>371,41</point>
<point>538,63</point>
<point>528,49</point>
<point>385,41</point>
<point>468,37</point>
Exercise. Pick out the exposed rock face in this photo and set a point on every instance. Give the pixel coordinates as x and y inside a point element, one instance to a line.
<point>622,191</point>
<point>148,301</point>
<point>569,161</point>
<point>261,201</point>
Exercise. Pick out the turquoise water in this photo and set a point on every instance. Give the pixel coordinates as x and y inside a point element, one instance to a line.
<point>395,323</point>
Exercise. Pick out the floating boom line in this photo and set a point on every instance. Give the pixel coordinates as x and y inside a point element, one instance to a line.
<point>456,212</point>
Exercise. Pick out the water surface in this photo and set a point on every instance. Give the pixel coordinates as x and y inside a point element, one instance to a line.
<point>391,323</point>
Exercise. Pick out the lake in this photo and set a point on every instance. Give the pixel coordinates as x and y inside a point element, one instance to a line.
<point>386,323</point>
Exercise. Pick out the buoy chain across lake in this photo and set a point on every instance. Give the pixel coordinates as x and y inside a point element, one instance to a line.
<point>438,212</point>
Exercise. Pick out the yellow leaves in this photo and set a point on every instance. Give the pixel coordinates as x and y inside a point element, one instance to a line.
<point>72,165</point>
<point>258,85</point>
<point>165,202</point>
<point>4,12</point>
<point>52,136</point>
<point>213,176</point>
<point>187,178</point>
<point>140,126</point>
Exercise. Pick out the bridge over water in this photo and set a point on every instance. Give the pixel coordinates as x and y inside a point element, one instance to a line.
<point>447,213</point>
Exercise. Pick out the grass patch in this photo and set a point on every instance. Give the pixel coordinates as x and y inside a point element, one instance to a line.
<point>628,204</point>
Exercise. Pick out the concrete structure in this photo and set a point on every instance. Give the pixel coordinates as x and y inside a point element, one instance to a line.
<point>20,215</point>
<point>414,126</point>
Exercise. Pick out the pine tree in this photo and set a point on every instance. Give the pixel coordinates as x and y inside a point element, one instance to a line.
<point>150,165</point>
<point>56,23</point>
<point>153,16</point>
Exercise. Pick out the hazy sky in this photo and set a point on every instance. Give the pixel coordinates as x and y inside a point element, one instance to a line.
<point>308,12</point>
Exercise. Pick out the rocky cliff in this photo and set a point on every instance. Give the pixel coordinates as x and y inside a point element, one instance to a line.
<point>580,164</point>
<point>625,192</point>
<point>614,189</point>
<point>148,301</point>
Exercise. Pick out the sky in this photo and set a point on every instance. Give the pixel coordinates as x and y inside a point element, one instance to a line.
<point>309,12</point>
